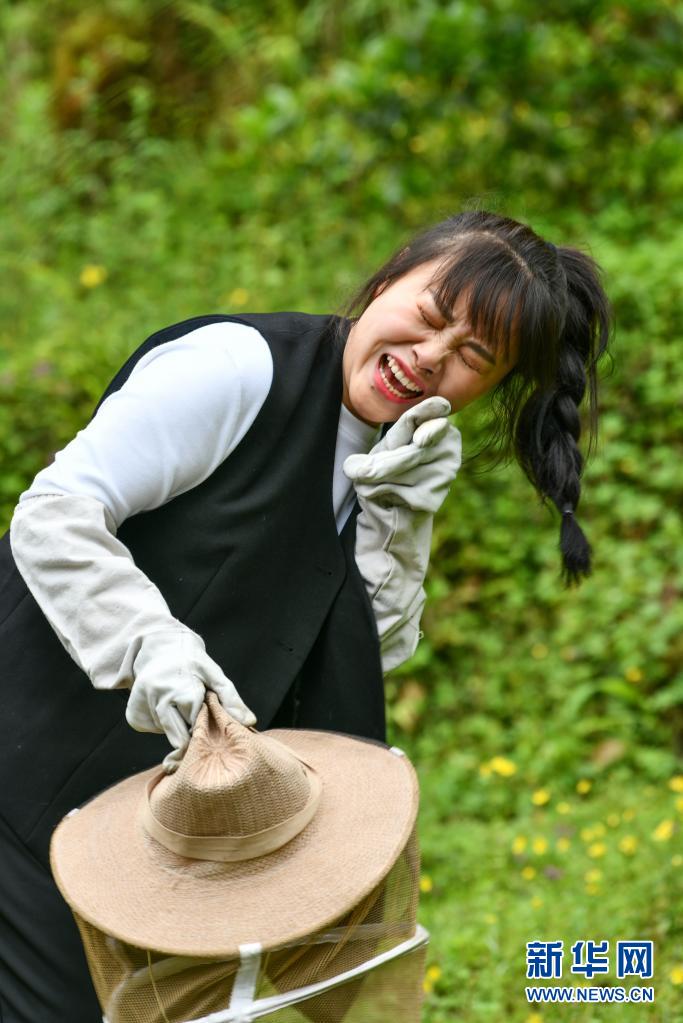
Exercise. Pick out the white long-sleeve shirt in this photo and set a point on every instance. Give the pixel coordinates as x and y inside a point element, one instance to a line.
<point>185,407</point>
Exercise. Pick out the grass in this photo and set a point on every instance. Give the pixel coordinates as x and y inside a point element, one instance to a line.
<point>592,866</point>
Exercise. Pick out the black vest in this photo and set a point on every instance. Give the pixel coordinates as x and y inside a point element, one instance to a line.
<point>250,559</point>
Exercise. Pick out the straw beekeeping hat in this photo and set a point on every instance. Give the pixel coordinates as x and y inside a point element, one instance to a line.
<point>264,837</point>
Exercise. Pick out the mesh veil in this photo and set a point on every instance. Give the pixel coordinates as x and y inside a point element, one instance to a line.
<point>376,938</point>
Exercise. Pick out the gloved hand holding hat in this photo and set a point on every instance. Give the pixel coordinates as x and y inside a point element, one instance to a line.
<point>233,785</point>
<point>258,842</point>
<point>172,674</point>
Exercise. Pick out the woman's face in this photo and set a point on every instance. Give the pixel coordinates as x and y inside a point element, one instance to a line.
<point>404,349</point>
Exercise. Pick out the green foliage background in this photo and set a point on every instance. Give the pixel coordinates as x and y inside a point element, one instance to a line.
<point>207,156</point>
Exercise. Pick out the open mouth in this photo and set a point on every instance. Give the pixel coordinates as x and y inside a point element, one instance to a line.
<point>395,380</point>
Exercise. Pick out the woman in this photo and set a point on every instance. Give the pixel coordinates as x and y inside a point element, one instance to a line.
<point>231,519</point>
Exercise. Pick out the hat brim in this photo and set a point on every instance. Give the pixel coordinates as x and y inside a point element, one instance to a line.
<point>125,883</point>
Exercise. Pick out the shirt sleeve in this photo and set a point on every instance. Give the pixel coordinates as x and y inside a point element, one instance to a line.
<point>185,407</point>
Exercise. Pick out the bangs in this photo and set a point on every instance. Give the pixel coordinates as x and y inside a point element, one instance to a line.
<point>506,305</point>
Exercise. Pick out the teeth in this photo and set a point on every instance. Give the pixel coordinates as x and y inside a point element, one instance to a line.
<point>400,375</point>
<point>388,386</point>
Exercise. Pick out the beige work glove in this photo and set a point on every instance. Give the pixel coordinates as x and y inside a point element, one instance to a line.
<point>400,484</point>
<point>172,674</point>
<point>112,620</point>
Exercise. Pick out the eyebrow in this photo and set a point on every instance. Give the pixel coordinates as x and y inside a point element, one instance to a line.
<point>446,313</point>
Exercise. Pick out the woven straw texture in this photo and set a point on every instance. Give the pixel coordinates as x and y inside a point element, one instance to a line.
<point>367,810</point>
<point>199,802</point>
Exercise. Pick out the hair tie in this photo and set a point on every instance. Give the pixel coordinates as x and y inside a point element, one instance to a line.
<point>567,510</point>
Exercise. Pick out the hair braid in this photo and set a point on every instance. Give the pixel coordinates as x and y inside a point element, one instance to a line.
<point>549,426</point>
<point>547,438</point>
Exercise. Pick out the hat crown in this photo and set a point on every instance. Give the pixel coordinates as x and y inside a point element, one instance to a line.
<point>232,781</point>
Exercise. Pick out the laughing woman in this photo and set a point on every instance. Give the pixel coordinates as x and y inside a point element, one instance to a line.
<point>249,511</point>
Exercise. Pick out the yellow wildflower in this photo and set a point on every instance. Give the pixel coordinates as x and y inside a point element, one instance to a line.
<point>633,674</point>
<point>92,275</point>
<point>676,783</point>
<point>534,1017</point>
<point>540,797</point>
<point>490,918</point>
<point>539,845</point>
<point>596,849</point>
<point>678,803</point>
<point>676,975</point>
<point>628,814</point>
<point>613,819</point>
<point>562,844</point>
<point>628,844</point>
<point>434,973</point>
<point>536,901</point>
<point>518,845</point>
<point>592,889</point>
<point>583,786</point>
<point>426,883</point>
<point>563,807</point>
<point>663,831</point>
<point>529,873</point>
<point>501,765</point>
<point>539,651</point>
<point>238,296</point>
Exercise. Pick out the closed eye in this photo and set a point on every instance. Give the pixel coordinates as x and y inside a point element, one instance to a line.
<point>468,364</point>
<point>462,358</point>
<point>426,319</point>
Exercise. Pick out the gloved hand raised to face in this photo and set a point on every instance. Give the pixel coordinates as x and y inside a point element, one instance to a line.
<point>172,673</point>
<point>414,464</point>
<point>399,485</point>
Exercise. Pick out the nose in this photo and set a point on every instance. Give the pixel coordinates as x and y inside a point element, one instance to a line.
<point>427,356</point>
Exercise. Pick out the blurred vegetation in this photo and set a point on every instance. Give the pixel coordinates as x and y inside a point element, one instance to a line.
<point>163,160</point>
<point>602,863</point>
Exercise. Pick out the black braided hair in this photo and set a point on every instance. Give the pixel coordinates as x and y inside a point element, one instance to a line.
<point>548,428</point>
<point>519,287</point>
